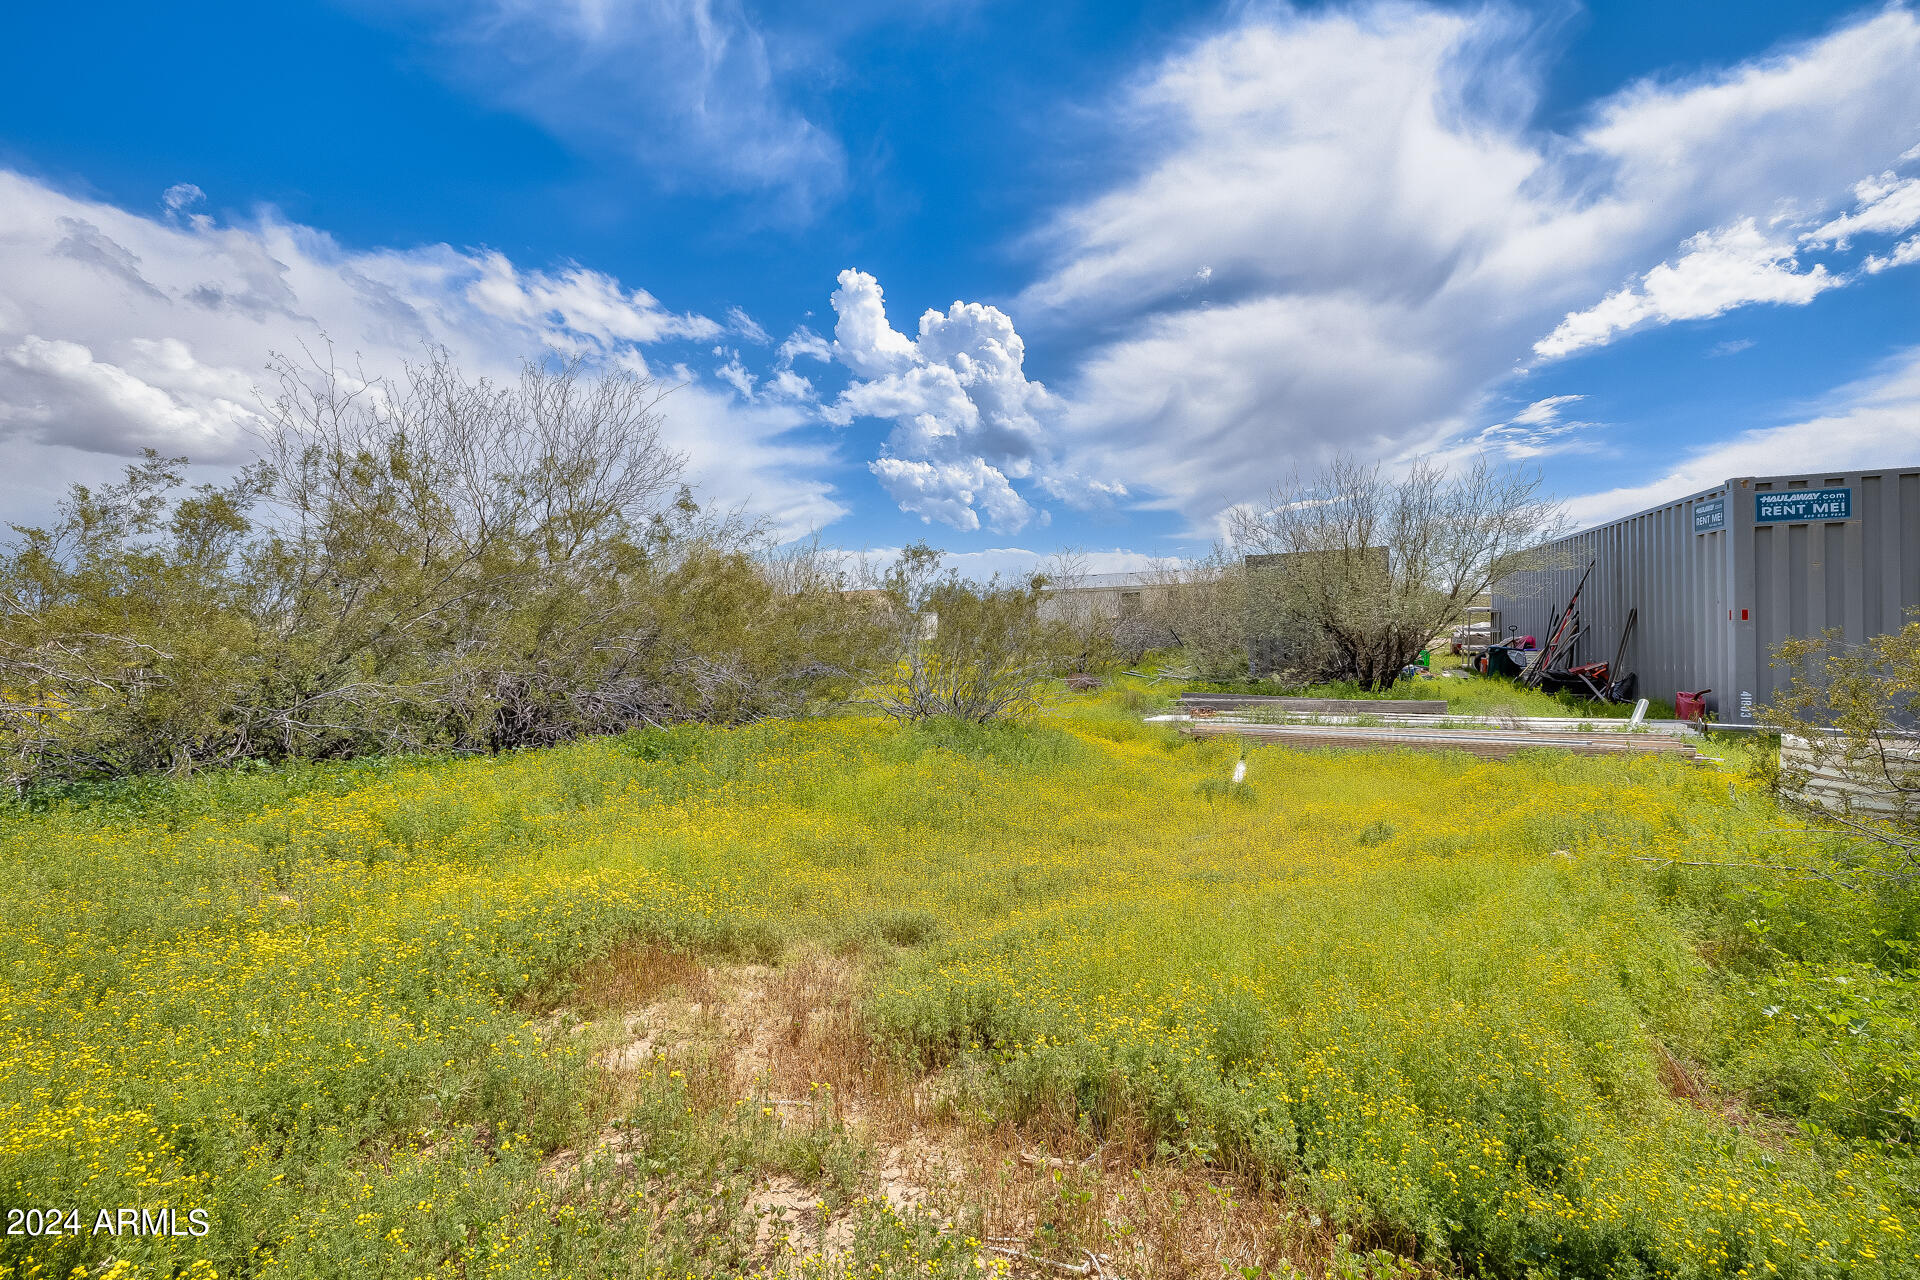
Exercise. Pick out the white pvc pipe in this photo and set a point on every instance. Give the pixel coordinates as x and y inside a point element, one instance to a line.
<point>1534,724</point>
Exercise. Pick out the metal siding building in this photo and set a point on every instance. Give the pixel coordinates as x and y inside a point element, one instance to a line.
<point>1718,587</point>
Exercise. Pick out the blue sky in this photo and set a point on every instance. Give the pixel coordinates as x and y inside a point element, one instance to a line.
<point>1009,277</point>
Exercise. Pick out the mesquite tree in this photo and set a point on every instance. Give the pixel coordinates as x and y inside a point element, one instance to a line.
<point>427,561</point>
<point>1374,565</point>
<point>1855,710</point>
<point>973,651</point>
<point>1200,606</point>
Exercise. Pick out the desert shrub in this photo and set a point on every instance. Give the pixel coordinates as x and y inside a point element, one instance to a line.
<point>965,650</point>
<point>1134,638</point>
<point>433,563</point>
<point>1200,610</point>
<point>1856,710</point>
<point>1358,569</point>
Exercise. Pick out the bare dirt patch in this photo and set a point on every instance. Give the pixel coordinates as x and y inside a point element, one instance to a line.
<point>1043,1197</point>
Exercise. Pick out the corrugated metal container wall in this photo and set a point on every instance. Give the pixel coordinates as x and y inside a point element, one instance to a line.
<point>1722,576</point>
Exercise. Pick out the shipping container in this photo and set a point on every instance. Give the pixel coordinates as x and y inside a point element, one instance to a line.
<point>1720,577</point>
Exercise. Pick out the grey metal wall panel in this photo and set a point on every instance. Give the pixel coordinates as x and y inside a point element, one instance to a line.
<point>1715,604</point>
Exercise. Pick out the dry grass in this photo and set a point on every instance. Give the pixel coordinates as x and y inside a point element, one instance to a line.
<point>790,1038</point>
<point>636,974</point>
<point>1678,1081</point>
<point>1049,1189</point>
<point>799,1028</point>
<point>1684,1083</point>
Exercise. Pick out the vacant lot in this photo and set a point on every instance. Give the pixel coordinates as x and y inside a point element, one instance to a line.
<point>918,1001</point>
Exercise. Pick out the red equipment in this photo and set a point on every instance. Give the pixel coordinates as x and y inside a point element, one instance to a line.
<point>1561,638</point>
<point>1691,706</point>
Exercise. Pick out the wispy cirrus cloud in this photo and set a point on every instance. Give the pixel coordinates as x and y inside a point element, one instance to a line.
<point>1539,429</point>
<point>1716,271</point>
<point>690,91</point>
<point>1906,253</point>
<point>1741,265</point>
<point>1345,227</point>
<point>1886,205</point>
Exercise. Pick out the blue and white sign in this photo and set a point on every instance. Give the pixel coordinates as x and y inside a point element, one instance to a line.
<point>1709,514</point>
<point>1796,505</point>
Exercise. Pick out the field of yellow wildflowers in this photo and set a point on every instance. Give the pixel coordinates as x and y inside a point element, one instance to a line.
<point>1424,993</point>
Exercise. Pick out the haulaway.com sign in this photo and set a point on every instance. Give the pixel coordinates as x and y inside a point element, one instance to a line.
<point>1802,504</point>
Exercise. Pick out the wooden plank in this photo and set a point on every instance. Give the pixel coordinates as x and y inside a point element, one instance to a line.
<point>1849,787</point>
<point>1358,733</point>
<point>1688,729</point>
<point>1493,745</point>
<point>1321,706</point>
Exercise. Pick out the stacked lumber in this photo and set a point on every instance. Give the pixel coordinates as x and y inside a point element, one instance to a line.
<point>1688,729</point>
<point>1493,744</point>
<point>1856,788</point>
<point>1315,706</point>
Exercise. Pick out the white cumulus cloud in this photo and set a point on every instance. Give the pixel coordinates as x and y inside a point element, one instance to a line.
<point>954,493</point>
<point>58,390</point>
<point>788,385</point>
<point>967,419</point>
<point>862,337</point>
<point>804,342</point>
<point>120,331</point>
